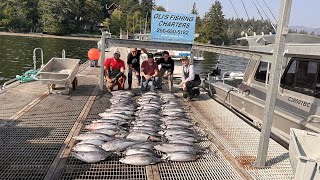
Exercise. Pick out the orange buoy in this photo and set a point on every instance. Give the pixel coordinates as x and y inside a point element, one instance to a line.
<point>94,54</point>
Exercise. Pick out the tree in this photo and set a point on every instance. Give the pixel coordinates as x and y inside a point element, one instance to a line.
<point>59,16</point>
<point>117,22</point>
<point>214,28</point>
<point>15,15</point>
<point>198,18</point>
<point>160,8</point>
<point>194,9</point>
<point>92,13</point>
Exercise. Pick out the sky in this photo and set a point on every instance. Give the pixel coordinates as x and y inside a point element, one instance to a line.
<point>303,12</point>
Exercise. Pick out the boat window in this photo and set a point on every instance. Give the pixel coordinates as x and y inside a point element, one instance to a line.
<point>302,76</point>
<point>261,73</point>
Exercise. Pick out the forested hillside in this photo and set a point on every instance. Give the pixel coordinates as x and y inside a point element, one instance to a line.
<point>64,17</point>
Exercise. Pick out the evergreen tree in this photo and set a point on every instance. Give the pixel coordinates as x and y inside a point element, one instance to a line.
<point>160,8</point>
<point>214,29</point>
<point>198,19</point>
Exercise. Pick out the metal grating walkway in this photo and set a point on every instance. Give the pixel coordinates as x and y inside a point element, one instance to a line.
<point>211,165</point>
<point>110,168</point>
<point>31,141</point>
<point>241,140</point>
<point>14,99</point>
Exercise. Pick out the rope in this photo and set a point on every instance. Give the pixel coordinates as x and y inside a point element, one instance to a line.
<point>266,16</point>
<point>270,11</point>
<point>235,12</point>
<point>247,13</point>
<point>234,9</point>
<point>257,10</point>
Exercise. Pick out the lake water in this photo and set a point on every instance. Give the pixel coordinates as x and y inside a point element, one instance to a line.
<point>16,54</point>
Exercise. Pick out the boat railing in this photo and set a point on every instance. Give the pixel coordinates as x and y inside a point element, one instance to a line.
<point>63,53</point>
<point>35,58</point>
<point>311,117</point>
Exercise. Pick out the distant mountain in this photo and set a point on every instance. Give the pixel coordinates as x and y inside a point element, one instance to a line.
<point>308,29</point>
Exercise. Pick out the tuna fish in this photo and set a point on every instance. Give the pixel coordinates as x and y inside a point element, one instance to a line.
<point>140,160</point>
<point>86,148</point>
<point>168,147</point>
<point>94,142</point>
<point>180,156</point>
<point>92,136</point>
<point>91,157</point>
<point>142,137</point>
<point>132,151</point>
<point>118,145</point>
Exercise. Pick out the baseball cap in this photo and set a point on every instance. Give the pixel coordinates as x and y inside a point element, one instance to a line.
<point>116,52</point>
<point>184,58</point>
<point>150,55</point>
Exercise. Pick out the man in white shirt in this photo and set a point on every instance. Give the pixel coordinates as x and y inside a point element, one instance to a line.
<point>189,78</point>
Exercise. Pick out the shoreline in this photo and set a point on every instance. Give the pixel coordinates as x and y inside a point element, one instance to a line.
<point>48,36</point>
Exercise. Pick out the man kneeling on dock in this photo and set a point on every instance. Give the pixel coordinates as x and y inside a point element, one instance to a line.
<point>189,78</point>
<point>166,70</point>
<point>114,72</point>
<point>149,73</point>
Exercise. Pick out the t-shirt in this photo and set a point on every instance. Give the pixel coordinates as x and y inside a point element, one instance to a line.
<point>134,61</point>
<point>149,69</point>
<point>115,64</point>
<point>167,65</point>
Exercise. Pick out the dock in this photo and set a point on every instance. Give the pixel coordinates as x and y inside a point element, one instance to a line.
<point>36,130</point>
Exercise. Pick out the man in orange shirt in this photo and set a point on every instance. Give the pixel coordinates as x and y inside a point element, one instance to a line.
<point>114,72</point>
<point>149,72</point>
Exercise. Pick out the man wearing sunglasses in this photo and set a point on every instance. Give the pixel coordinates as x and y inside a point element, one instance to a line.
<point>114,72</point>
<point>133,61</point>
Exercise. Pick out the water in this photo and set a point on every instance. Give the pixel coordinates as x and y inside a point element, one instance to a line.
<point>16,52</point>
<point>16,55</point>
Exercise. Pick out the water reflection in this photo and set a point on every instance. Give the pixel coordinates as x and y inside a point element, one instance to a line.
<point>16,52</point>
<point>16,55</point>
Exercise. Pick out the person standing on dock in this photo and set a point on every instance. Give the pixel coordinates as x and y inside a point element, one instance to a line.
<point>133,61</point>
<point>167,66</point>
<point>189,78</point>
<point>114,72</point>
<point>149,73</point>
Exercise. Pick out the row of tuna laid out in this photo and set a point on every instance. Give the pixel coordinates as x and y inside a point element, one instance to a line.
<point>136,127</point>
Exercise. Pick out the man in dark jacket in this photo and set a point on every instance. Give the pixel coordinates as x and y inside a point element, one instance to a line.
<point>166,70</point>
<point>133,61</point>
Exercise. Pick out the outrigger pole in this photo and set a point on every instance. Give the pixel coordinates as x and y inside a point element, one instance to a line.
<point>274,81</point>
<point>102,57</point>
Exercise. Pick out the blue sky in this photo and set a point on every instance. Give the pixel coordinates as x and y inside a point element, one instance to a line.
<point>303,12</point>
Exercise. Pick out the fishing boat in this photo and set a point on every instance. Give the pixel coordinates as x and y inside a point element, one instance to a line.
<point>297,104</point>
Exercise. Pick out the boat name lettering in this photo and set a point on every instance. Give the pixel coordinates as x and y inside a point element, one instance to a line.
<point>298,101</point>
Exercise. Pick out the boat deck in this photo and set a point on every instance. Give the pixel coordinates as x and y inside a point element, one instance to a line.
<point>36,132</point>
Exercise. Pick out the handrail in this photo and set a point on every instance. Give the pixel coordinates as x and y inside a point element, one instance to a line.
<point>63,53</point>
<point>313,116</point>
<point>223,76</point>
<point>35,59</point>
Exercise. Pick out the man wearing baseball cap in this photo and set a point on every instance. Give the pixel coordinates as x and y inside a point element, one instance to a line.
<point>189,78</point>
<point>114,72</point>
<point>149,73</point>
